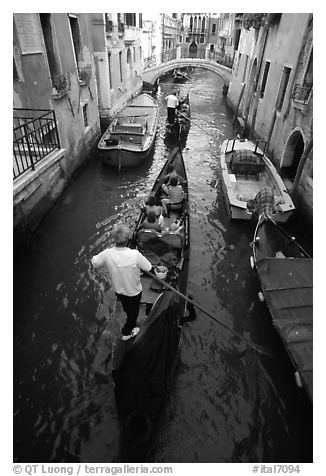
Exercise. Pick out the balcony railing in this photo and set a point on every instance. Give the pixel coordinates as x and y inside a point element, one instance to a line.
<point>35,136</point>
<point>301,94</point>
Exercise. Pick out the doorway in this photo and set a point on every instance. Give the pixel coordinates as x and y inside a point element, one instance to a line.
<point>292,155</point>
<point>193,50</point>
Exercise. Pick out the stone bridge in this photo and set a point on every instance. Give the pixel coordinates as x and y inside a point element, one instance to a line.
<point>150,75</point>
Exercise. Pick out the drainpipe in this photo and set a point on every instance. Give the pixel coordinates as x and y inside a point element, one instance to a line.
<point>301,165</point>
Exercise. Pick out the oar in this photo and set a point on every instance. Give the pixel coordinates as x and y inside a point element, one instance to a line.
<point>200,127</point>
<point>119,155</point>
<point>256,347</point>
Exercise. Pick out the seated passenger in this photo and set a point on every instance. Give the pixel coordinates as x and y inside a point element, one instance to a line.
<point>174,192</point>
<point>176,228</point>
<point>151,222</point>
<point>171,172</point>
<point>150,206</point>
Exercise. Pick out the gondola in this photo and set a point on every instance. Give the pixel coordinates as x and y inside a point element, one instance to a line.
<point>129,139</point>
<point>180,75</point>
<point>285,271</point>
<point>143,366</point>
<point>181,125</point>
<point>245,171</point>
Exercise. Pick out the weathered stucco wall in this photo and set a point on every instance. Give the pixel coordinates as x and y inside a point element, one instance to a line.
<point>34,195</point>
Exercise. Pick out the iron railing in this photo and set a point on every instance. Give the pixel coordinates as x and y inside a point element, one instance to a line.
<point>221,58</point>
<point>35,136</point>
<point>186,52</point>
<point>301,94</point>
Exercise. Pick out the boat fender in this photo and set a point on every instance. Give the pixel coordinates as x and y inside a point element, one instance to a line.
<point>261,297</point>
<point>252,263</point>
<point>298,380</point>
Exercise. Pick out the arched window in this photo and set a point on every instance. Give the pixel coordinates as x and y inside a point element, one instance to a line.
<point>191,22</point>
<point>203,24</point>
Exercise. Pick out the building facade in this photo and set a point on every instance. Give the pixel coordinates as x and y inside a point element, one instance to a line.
<point>195,33</point>
<point>117,39</point>
<point>271,91</point>
<point>56,120</point>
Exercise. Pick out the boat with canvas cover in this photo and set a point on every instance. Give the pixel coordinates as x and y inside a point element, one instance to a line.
<point>245,171</point>
<point>285,271</point>
<point>129,139</point>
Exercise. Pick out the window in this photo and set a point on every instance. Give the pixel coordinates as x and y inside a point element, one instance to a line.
<point>140,20</point>
<point>237,38</point>
<point>85,112</point>
<point>187,39</point>
<point>45,19</point>
<point>283,86</point>
<point>214,28</point>
<point>130,19</point>
<point>245,69</point>
<point>110,69</point>
<point>120,65</point>
<point>239,61</point>
<point>16,77</point>
<point>308,79</point>
<point>76,39</point>
<point>264,80</point>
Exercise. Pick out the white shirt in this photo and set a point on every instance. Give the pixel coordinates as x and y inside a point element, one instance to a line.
<point>123,265</point>
<point>172,100</point>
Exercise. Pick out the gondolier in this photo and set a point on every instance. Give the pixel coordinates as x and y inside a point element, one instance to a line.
<point>124,267</point>
<point>172,103</point>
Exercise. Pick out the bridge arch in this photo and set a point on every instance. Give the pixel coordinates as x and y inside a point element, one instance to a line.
<point>151,75</point>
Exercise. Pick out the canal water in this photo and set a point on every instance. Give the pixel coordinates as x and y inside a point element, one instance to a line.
<point>227,403</point>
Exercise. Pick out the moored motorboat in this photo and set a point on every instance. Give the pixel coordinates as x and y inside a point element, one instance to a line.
<point>129,139</point>
<point>285,271</point>
<point>245,171</point>
<point>143,366</point>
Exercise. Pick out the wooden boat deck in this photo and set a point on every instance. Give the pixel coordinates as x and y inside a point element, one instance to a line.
<point>287,285</point>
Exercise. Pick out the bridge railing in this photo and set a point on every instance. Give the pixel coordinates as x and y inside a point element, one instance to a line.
<point>156,60</point>
<point>169,55</point>
<point>221,58</point>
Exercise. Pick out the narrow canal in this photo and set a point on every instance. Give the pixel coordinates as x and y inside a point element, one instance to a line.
<point>228,403</point>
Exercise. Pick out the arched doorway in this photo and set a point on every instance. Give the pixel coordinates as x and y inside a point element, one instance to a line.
<point>292,155</point>
<point>193,50</point>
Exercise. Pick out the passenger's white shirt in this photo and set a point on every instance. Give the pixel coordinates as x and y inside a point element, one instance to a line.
<point>171,100</point>
<point>123,265</point>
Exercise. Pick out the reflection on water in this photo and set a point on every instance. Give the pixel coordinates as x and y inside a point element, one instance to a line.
<point>227,403</point>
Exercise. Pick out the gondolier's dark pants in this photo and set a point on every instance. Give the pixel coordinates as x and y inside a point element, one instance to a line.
<point>130,305</point>
<point>171,115</point>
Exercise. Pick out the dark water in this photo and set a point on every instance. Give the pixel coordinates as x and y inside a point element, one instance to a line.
<point>228,403</point>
